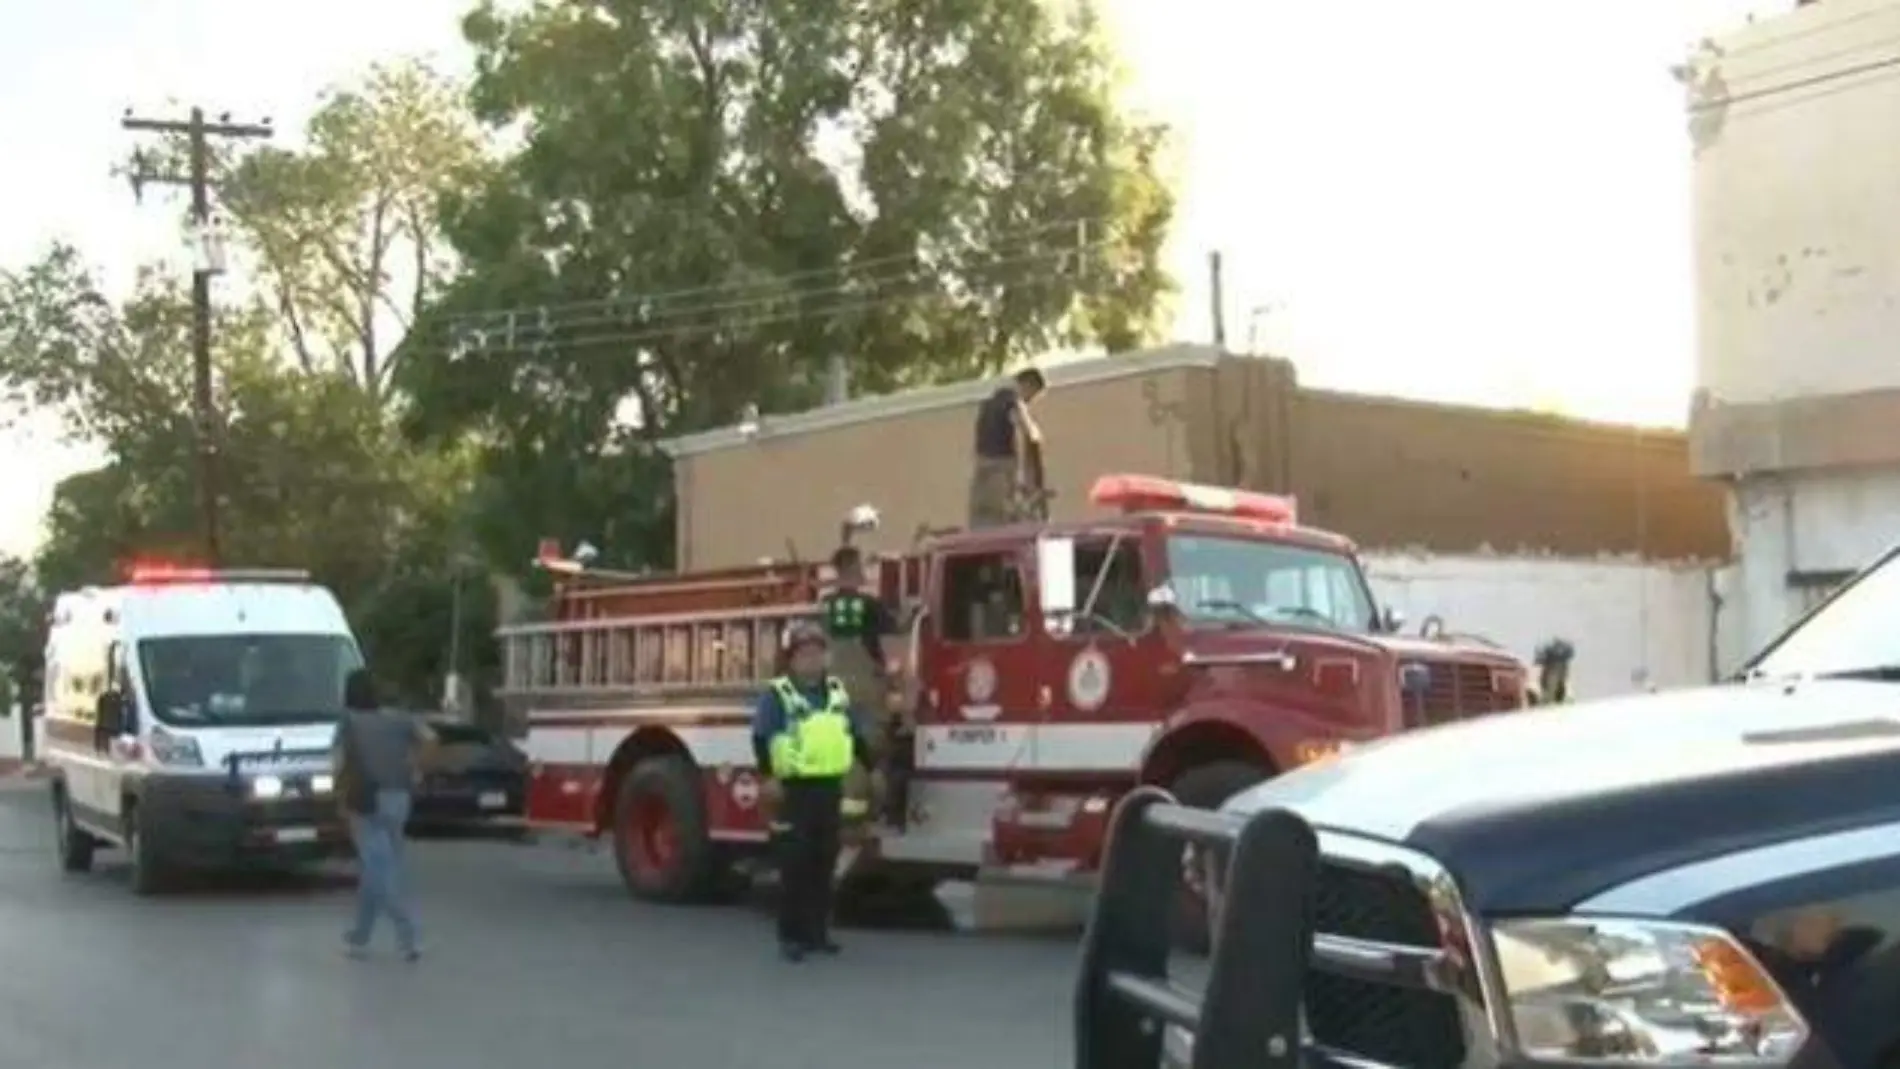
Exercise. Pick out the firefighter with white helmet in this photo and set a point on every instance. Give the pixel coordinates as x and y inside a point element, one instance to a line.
<point>807,737</point>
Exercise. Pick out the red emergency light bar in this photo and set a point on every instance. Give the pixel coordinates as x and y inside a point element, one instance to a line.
<point>1144,493</point>
<point>160,574</point>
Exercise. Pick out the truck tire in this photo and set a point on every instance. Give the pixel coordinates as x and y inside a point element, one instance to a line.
<point>661,839</point>
<point>75,845</point>
<point>1205,787</point>
<point>149,875</point>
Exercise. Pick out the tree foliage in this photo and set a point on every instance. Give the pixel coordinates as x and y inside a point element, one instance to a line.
<point>22,629</point>
<point>713,198</point>
<point>341,233</point>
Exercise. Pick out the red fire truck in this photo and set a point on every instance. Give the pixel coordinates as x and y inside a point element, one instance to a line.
<point>1199,639</point>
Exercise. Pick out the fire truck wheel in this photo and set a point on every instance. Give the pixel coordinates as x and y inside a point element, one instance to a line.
<point>1205,787</point>
<point>660,833</point>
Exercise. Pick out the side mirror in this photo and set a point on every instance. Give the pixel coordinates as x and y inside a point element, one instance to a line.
<point>1055,577</point>
<point>1390,620</point>
<point>109,714</point>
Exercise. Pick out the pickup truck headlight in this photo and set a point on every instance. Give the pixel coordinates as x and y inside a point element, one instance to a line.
<point>1642,992</point>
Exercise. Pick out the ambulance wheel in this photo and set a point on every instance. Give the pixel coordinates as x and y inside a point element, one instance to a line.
<point>148,871</point>
<point>1205,787</point>
<point>75,844</point>
<point>661,840</point>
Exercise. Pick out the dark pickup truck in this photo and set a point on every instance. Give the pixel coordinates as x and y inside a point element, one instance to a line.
<point>1706,877</point>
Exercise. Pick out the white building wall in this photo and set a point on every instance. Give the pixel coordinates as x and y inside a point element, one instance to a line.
<point>1797,255</point>
<point>1797,204</point>
<point>1806,523</point>
<point>1635,625</point>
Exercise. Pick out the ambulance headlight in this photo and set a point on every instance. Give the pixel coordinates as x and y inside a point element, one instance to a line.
<point>1642,992</point>
<point>267,787</point>
<point>178,751</point>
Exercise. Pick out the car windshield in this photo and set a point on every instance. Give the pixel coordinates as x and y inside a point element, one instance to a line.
<point>1233,580</point>
<point>1851,634</point>
<point>246,679</point>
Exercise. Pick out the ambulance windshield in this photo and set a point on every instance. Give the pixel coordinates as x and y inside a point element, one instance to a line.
<point>1221,580</point>
<point>246,679</point>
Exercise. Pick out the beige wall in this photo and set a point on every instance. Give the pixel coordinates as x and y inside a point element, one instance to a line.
<point>1387,473</point>
<point>740,504</point>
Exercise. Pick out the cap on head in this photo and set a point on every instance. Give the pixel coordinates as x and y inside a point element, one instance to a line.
<point>802,635</point>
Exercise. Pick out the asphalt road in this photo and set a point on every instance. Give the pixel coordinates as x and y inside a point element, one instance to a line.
<point>536,958</point>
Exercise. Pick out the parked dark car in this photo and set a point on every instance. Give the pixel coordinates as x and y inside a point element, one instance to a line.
<point>478,778</point>
<point>1703,877</point>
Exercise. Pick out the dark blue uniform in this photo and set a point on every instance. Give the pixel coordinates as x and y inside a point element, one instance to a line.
<point>806,829</point>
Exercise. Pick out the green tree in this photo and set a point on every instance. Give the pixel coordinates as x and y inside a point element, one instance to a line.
<point>22,629</point>
<point>714,198</point>
<point>340,236</point>
<point>315,474</point>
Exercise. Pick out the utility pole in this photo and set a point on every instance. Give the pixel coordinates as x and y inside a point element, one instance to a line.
<point>1217,299</point>
<point>198,134</point>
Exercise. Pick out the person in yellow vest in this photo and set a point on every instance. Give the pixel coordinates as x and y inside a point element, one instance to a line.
<point>807,737</point>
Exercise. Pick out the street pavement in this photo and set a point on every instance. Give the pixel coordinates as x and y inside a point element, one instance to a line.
<point>535,958</point>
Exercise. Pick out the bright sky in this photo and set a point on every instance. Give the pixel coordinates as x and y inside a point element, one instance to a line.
<point>1473,200</point>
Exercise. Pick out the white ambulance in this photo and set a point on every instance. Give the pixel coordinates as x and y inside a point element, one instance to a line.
<point>188,720</point>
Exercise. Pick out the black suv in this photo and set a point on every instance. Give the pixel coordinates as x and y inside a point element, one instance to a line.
<point>1704,877</point>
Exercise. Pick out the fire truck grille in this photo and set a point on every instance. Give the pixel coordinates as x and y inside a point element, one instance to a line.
<point>1462,690</point>
<point>1392,1025</point>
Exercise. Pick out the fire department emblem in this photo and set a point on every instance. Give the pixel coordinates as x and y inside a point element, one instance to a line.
<point>1088,680</point>
<point>980,681</point>
<point>745,791</point>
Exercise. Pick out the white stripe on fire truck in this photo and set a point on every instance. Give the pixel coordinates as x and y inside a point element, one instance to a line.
<point>941,747</point>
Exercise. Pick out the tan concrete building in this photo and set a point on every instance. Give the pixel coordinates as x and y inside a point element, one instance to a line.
<point>1389,473</point>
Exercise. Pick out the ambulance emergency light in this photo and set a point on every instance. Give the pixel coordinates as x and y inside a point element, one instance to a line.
<point>159,573</point>
<point>1144,493</point>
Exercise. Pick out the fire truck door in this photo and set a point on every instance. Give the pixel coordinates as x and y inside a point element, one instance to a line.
<point>976,665</point>
<point>1100,670</point>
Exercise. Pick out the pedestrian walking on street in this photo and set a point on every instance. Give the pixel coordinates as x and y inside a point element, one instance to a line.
<point>379,754</point>
<point>806,737</point>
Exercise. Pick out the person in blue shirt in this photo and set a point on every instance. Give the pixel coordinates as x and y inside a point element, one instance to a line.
<point>806,736</point>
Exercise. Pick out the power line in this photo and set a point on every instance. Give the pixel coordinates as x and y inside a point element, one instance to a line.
<point>614,308</point>
<point>1795,85</point>
<point>198,134</point>
<point>542,335</point>
<point>638,311</point>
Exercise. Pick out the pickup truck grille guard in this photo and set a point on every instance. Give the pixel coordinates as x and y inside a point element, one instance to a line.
<point>1328,948</point>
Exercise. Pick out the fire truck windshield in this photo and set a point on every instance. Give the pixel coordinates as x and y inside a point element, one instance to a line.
<point>1218,579</point>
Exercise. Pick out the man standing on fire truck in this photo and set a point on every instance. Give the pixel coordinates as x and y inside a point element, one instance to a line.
<point>806,737</point>
<point>859,624</point>
<point>1006,434</point>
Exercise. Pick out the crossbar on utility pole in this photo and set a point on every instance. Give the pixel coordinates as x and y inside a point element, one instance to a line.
<point>198,133</point>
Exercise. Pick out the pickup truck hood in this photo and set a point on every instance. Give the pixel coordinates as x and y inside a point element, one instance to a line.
<point>1541,809</point>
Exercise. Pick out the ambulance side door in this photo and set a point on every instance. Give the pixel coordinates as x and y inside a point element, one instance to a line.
<point>119,751</point>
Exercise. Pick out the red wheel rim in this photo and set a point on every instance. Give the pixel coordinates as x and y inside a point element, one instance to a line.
<point>652,835</point>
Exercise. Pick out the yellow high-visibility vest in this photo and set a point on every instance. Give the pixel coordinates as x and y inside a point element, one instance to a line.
<point>816,742</point>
